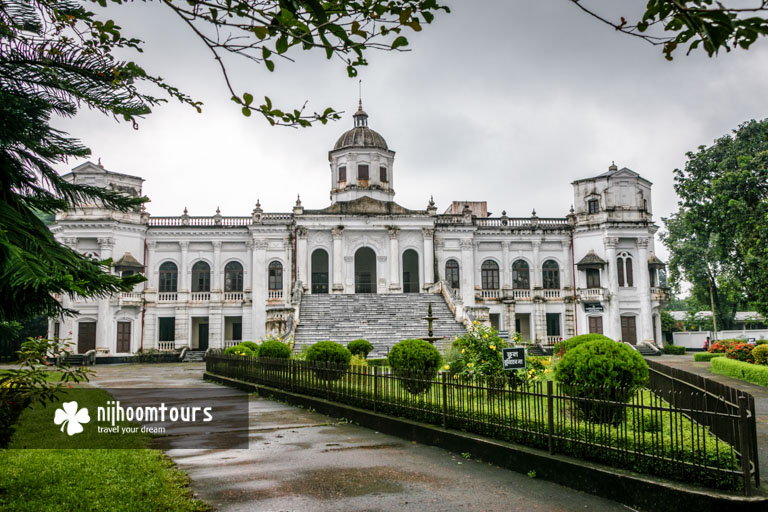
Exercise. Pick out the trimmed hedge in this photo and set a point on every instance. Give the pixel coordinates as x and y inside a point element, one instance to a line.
<point>360,348</point>
<point>706,356</point>
<point>564,346</point>
<point>760,354</point>
<point>251,345</point>
<point>756,374</point>
<point>329,352</point>
<point>417,357</point>
<point>604,370</point>
<point>241,350</point>
<point>674,350</point>
<point>275,349</point>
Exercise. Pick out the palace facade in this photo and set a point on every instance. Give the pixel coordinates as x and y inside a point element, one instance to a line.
<point>212,281</point>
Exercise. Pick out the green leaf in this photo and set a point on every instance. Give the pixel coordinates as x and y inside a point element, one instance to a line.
<point>247,98</point>
<point>400,41</point>
<point>246,111</point>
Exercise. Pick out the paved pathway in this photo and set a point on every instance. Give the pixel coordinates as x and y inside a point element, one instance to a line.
<point>300,460</point>
<point>760,393</point>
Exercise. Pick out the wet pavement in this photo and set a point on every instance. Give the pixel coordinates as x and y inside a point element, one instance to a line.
<point>299,460</point>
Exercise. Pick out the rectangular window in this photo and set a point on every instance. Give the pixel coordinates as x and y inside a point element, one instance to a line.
<point>237,331</point>
<point>553,324</point>
<point>362,172</point>
<point>342,173</point>
<point>166,328</point>
<point>495,319</point>
<point>56,330</point>
<point>593,206</point>
<point>383,174</point>
<point>593,278</point>
<point>596,324</point>
<point>628,330</point>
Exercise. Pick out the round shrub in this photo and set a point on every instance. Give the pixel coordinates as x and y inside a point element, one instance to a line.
<point>740,351</point>
<point>360,348</point>
<point>416,363</point>
<point>251,345</point>
<point>602,370</point>
<point>571,343</point>
<point>275,349</point>
<point>328,353</point>
<point>760,354</point>
<point>240,350</point>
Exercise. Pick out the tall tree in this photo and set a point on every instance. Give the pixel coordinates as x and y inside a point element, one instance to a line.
<point>57,56</point>
<point>718,239</point>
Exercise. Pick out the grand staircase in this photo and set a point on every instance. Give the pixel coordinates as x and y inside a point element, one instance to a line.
<point>381,319</point>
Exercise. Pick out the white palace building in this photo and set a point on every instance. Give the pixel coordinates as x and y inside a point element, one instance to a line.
<point>212,281</point>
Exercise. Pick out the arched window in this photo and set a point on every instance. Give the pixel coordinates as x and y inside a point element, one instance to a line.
<point>319,271</point>
<point>624,269</point>
<point>168,277</point>
<point>521,275</point>
<point>275,275</point>
<point>550,275</point>
<point>201,277</point>
<point>489,274</point>
<point>233,277</point>
<point>452,274</point>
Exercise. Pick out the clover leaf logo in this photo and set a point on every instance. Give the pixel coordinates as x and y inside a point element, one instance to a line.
<point>70,416</point>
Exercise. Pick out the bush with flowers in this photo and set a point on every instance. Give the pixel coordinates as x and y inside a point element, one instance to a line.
<point>721,346</point>
<point>740,351</point>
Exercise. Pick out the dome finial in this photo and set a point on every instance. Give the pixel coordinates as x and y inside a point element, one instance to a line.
<point>361,118</point>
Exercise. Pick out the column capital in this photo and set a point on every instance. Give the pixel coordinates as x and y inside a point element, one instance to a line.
<point>466,243</point>
<point>249,244</point>
<point>184,244</point>
<point>261,244</point>
<point>69,241</point>
<point>151,245</point>
<point>505,244</point>
<point>393,232</point>
<point>216,245</point>
<point>642,243</point>
<point>337,232</point>
<point>106,243</point>
<point>610,242</point>
<point>428,232</point>
<point>301,232</point>
<point>536,244</point>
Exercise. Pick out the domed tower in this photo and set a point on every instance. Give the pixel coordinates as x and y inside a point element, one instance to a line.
<point>361,163</point>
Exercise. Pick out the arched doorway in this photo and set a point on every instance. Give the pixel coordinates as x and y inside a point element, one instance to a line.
<point>319,271</point>
<point>365,270</point>
<point>410,271</point>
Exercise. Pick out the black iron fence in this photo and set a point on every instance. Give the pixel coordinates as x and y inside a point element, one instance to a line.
<point>652,431</point>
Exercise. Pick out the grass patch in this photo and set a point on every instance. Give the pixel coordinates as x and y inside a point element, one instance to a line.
<point>706,356</point>
<point>674,350</point>
<point>754,373</point>
<point>86,479</point>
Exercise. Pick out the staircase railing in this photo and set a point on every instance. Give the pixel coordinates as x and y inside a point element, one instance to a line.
<point>455,304</point>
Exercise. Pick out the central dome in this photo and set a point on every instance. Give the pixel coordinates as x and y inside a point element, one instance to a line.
<point>361,136</point>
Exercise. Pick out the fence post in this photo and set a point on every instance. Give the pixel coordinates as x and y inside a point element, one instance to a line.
<point>550,418</point>
<point>744,432</point>
<point>375,387</point>
<point>445,400</point>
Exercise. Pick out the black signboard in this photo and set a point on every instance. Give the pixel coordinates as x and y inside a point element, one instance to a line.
<point>513,358</point>
<point>593,307</point>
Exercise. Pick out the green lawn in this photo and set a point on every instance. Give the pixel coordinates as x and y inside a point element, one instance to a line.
<point>105,479</point>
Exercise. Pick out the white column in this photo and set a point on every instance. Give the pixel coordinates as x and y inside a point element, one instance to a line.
<point>104,324</point>
<point>184,279</point>
<point>248,326</point>
<point>567,267</point>
<point>149,266</point>
<point>338,260</point>
<point>429,256</point>
<point>259,288</point>
<point>287,271</point>
<point>216,271</point>
<point>301,256</point>
<point>536,245</point>
<point>644,289</point>
<point>506,282</point>
<point>612,324</point>
<point>467,271</point>
<point>394,260</point>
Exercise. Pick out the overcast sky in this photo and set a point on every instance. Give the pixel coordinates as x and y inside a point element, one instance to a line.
<point>502,101</point>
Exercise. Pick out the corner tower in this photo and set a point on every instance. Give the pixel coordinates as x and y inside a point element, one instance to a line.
<point>361,163</point>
